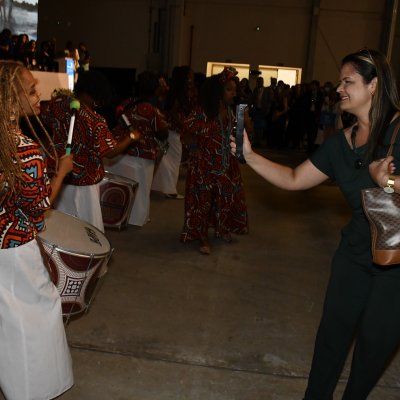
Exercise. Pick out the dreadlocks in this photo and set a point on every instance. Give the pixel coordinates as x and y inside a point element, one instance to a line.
<point>11,90</point>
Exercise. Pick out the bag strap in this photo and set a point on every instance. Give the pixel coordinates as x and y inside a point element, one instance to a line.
<point>393,139</point>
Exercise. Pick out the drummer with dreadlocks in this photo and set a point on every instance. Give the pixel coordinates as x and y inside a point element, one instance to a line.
<point>35,361</point>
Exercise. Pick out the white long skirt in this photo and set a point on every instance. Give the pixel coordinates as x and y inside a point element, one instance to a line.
<point>140,170</point>
<point>167,174</point>
<point>82,202</point>
<point>35,362</point>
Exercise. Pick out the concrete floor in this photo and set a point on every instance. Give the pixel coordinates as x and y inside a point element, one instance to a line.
<point>171,324</point>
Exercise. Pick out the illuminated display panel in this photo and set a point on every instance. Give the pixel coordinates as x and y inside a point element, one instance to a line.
<point>290,76</point>
<point>214,68</point>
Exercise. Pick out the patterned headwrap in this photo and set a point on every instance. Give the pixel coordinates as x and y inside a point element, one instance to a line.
<point>227,74</point>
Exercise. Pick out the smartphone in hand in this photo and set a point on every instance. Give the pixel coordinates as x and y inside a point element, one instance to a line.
<point>240,108</point>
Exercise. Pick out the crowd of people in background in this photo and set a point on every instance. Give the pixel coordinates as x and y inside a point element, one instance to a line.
<point>298,117</point>
<point>301,116</point>
<point>41,56</point>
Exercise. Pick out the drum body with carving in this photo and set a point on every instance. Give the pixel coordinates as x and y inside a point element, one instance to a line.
<point>76,255</point>
<point>117,195</point>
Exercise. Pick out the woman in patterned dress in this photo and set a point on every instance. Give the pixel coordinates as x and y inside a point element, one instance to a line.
<point>92,141</point>
<point>140,159</point>
<point>35,361</point>
<point>178,104</point>
<point>214,194</point>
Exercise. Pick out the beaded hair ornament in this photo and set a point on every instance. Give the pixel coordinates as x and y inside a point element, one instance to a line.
<point>227,74</point>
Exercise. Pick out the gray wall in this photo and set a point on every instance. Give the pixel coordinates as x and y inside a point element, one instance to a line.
<point>158,34</point>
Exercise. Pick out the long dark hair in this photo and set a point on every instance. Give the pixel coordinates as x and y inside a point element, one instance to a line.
<point>211,94</point>
<point>372,64</point>
<point>12,90</point>
<point>178,89</point>
<point>96,85</point>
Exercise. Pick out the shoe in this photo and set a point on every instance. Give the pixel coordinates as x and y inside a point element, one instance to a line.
<point>176,196</point>
<point>205,249</point>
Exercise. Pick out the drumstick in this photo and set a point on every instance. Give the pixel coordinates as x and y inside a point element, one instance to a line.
<point>131,129</point>
<point>74,105</point>
<point>127,122</point>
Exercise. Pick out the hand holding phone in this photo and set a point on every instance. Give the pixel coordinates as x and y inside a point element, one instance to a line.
<point>240,109</point>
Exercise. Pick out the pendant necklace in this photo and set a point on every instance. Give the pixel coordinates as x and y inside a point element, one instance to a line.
<point>359,163</point>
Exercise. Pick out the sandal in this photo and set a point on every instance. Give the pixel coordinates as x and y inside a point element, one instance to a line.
<point>205,249</point>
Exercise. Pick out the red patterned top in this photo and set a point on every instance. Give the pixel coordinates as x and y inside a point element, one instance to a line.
<point>22,217</point>
<point>91,139</point>
<point>148,120</point>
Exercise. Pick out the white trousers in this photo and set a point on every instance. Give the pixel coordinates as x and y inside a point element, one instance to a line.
<point>35,362</point>
<point>167,174</point>
<point>140,170</point>
<point>82,202</point>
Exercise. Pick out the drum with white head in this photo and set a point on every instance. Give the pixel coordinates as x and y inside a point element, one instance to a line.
<point>76,256</point>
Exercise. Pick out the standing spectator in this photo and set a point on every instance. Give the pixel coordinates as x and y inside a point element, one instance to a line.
<point>258,113</point>
<point>314,104</point>
<point>244,92</point>
<point>31,55</point>
<point>84,57</point>
<point>362,301</point>
<point>279,110</point>
<point>6,45</point>
<point>329,116</point>
<point>295,131</point>
<point>20,48</point>
<point>45,58</point>
<point>71,51</point>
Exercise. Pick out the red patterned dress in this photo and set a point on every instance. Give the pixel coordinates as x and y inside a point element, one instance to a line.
<point>20,220</point>
<point>148,120</point>
<point>35,361</point>
<point>214,194</point>
<point>91,140</point>
<point>139,161</point>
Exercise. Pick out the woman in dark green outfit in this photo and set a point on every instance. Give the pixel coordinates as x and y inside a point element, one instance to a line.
<point>362,300</point>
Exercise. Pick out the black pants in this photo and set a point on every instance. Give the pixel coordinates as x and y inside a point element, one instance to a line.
<point>362,302</point>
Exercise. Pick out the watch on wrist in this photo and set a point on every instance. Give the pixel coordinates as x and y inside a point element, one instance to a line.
<point>389,188</point>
